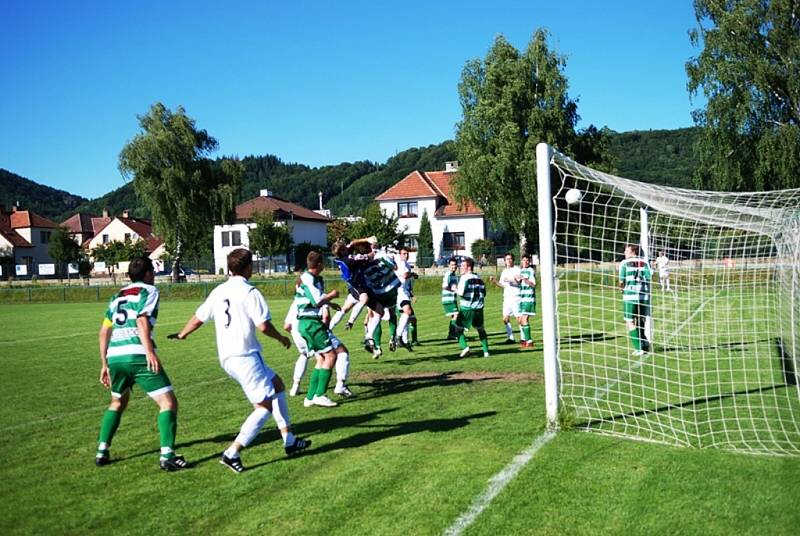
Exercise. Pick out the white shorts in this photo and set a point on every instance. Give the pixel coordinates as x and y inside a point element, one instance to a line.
<point>253,376</point>
<point>402,296</point>
<point>663,275</point>
<point>335,342</point>
<point>511,306</point>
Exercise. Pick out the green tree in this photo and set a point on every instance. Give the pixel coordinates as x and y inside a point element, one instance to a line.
<point>64,250</point>
<point>511,101</point>
<point>186,192</point>
<point>749,72</point>
<point>114,252</point>
<point>481,248</point>
<point>384,226</point>
<point>425,242</point>
<point>269,238</point>
<point>339,229</point>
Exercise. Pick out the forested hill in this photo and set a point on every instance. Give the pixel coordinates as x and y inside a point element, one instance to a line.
<point>43,200</point>
<point>658,156</point>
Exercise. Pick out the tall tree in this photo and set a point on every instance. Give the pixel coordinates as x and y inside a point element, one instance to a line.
<point>268,239</point>
<point>172,174</point>
<point>425,242</point>
<point>749,72</point>
<point>510,102</point>
<point>64,250</point>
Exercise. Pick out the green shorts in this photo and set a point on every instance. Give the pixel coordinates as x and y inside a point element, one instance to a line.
<point>527,308</point>
<point>470,318</point>
<point>632,309</point>
<point>125,374</point>
<point>450,308</point>
<point>315,334</point>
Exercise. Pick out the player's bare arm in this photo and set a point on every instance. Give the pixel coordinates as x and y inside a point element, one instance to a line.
<point>269,330</point>
<point>191,326</point>
<point>143,325</point>
<point>105,337</point>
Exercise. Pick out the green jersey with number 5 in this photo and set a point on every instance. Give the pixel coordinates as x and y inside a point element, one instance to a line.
<point>133,301</point>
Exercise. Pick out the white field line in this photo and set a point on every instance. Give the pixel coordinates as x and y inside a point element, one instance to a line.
<point>601,391</point>
<point>496,484</point>
<point>71,335</point>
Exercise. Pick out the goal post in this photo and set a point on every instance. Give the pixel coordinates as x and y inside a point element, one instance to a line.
<point>701,345</point>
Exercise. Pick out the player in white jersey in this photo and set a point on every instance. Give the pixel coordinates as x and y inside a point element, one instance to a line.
<point>509,282</point>
<point>662,263</point>
<point>407,318</point>
<point>239,311</point>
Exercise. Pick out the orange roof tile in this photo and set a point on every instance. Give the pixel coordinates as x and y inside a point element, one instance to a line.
<point>442,181</point>
<point>26,218</point>
<point>412,186</point>
<point>280,208</point>
<point>79,223</point>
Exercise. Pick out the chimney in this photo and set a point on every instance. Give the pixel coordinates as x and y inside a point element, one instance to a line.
<point>125,214</point>
<point>105,213</point>
<point>451,167</point>
<point>266,193</point>
<point>320,200</point>
<point>15,207</point>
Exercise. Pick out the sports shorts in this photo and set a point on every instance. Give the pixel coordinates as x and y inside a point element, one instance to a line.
<point>125,374</point>
<point>315,334</point>
<point>470,318</point>
<point>511,306</point>
<point>632,309</point>
<point>253,375</point>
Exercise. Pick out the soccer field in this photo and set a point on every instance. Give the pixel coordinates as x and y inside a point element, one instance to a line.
<point>426,439</point>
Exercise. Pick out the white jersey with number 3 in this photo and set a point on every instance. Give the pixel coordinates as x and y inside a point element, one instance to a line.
<point>237,307</point>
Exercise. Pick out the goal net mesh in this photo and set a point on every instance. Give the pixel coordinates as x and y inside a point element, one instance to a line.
<point>723,329</point>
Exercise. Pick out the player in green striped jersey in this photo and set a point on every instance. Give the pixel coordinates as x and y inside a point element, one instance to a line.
<point>471,293</point>
<point>527,299</point>
<point>449,303</point>
<point>634,280</point>
<point>128,356</point>
<point>309,298</point>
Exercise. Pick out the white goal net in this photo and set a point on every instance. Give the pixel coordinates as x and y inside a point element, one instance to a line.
<point>701,346</point>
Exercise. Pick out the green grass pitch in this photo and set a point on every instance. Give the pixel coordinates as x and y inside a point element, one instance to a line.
<point>408,455</point>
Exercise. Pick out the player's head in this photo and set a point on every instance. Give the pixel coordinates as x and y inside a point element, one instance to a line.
<point>141,270</point>
<point>240,262</point>
<point>339,249</point>
<point>314,261</point>
<point>631,250</point>
<point>509,259</point>
<point>525,261</point>
<point>467,264</point>
<point>404,254</point>
<point>452,264</point>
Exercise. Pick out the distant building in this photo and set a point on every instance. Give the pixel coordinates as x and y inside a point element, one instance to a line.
<point>123,228</point>
<point>306,226</point>
<point>454,227</point>
<point>84,226</point>
<point>24,243</point>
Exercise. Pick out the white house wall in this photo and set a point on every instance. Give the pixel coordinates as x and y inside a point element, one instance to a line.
<point>39,251</point>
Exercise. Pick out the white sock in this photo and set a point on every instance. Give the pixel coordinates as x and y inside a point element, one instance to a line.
<point>355,312</point>
<point>300,367</point>
<point>402,324</point>
<point>521,333</point>
<point>342,369</point>
<point>372,324</point>
<point>280,412</point>
<point>337,317</point>
<point>509,330</point>
<point>252,425</point>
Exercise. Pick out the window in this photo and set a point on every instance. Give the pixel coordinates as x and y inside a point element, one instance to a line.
<point>454,241</point>
<point>127,236</point>
<point>105,239</point>
<point>411,242</point>
<point>44,237</point>
<point>407,209</point>
<point>231,238</point>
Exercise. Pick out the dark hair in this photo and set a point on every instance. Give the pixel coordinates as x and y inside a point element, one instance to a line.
<point>138,268</point>
<point>314,259</point>
<point>239,260</point>
<point>634,248</point>
<point>469,261</point>
<point>452,259</point>
<point>509,254</point>
<point>339,249</point>
<point>525,256</point>
<point>402,249</point>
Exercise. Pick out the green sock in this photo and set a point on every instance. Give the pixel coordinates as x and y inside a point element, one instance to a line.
<point>412,329</point>
<point>324,377</point>
<point>167,427</point>
<point>526,332</point>
<point>634,335</point>
<point>312,384</point>
<point>108,426</point>
<point>484,340</point>
<point>462,340</point>
<point>376,337</point>
<point>392,323</point>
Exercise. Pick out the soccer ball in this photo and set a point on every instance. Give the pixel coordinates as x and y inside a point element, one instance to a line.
<point>573,196</point>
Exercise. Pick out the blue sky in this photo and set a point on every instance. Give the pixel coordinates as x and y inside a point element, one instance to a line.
<point>311,82</point>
